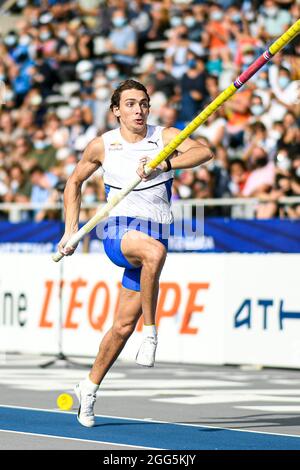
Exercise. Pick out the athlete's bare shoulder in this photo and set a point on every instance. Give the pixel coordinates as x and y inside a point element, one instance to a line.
<point>94,151</point>
<point>168,133</point>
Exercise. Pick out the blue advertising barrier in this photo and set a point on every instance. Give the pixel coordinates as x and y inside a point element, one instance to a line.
<point>218,235</point>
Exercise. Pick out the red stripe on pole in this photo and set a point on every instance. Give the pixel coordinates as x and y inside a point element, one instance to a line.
<point>262,60</point>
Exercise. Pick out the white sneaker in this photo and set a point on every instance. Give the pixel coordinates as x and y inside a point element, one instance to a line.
<point>146,354</point>
<point>86,400</point>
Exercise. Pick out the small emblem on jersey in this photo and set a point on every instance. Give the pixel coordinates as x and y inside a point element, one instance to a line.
<point>116,146</point>
<point>152,142</point>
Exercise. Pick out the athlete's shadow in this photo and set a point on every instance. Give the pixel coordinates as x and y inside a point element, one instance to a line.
<point>250,421</point>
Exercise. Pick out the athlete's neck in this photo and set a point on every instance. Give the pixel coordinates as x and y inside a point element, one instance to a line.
<point>131,136</point>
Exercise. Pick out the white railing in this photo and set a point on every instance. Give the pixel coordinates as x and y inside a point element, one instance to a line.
<point>239,207</point>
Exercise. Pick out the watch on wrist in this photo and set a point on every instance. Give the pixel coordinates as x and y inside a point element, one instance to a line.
<point>169,166</point>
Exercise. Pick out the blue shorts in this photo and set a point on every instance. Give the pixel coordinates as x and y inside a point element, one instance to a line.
<point>114,230</point>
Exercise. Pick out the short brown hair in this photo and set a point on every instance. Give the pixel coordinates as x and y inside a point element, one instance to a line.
<point>126,85</point>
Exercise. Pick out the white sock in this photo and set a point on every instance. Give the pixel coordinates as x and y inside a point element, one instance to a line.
<point>150,330</point>
<point>88,385</point>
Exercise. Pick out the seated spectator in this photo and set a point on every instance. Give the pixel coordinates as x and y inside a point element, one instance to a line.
<point>272,20</point>
<point>168,117</point>
<point>23,154</point>
<point>212,88</point>
<point>122,42</point>
<point>141,21</point>
<point>43,152</point>
<point>158,102</point>
<point>165,82</point>
<point>43,185</point>
<point>20,184</point>
<point>286,91</point>
<point>218,32</point>
<point>290,139</point>
<point>213,129</point>
<point>262,173</point>
<point>259,112</point>
<point>203,184</point>
<point>8,132</point>
<point>159,23</point>
<point>184,183</point>
<point>26,121</point>
<point>4,186</point>
<point>176,54</point>
<point>220,172</point>
<point>237,114</point>
<point>89,197</point>
<point>257,135</point>
<point>238,176</point>
<point>193,88</point>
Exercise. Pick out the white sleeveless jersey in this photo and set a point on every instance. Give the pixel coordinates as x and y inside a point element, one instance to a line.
<point>150,199</point>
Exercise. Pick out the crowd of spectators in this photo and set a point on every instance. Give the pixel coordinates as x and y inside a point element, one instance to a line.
<point>62,61</point>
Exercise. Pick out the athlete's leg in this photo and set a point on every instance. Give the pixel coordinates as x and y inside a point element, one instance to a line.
<point>113,342</point>
<point>141,250</point>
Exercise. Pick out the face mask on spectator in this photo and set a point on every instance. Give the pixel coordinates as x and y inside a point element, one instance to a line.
<point>297,172</point>
<point>21,3</point>
<point>262,83</point>
<point>89,198</point>
<point>175,21</point>
<point>2,77</point>
<point>24,40</point>
<point>189,21</point>
<point>3,189</point>
<point>274,134</point>
<point>271,11</point>
<point>44,36</point>
<point>69,168</point>
<point>283,162</point>
<point>14,186</point>
<point>36,100</point>
<point>283,81</point>
<point>250,15</point>
<point>10,40</point>
<point>216,15</point>
<point>257,109</point>
<point>119,21</point>
<point>112,74</point>
<point>102,93</point>
<point>9,95</point>
<point>236,18</point>
<point>62,34</point>
<point>40,144</point>
<point>248,59</point>
<point>86,76</point>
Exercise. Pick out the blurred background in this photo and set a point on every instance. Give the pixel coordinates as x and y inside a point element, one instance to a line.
<point>60,62</point>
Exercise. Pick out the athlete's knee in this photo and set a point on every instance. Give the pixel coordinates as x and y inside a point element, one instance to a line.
<point>123,329</point>
<point>155,255</point>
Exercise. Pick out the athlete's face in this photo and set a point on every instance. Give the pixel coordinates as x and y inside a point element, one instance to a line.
<point>133,110</point>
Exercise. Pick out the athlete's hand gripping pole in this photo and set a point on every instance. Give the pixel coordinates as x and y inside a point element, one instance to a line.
<point>103,213</point>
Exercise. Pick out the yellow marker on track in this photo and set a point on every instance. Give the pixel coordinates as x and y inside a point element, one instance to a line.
<point>64,402</point>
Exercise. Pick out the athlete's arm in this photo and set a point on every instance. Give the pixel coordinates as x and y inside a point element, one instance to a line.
<point>192,153</point>
<point>91,160</point>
